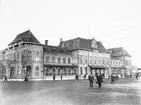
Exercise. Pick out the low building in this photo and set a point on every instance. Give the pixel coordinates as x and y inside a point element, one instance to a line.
<point>58,61</point>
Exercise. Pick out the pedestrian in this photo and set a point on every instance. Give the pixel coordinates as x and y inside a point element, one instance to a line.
<point>109,76</point>
<point>137,76</point>
<point>112,79</point>
<point>121,75</point>
<point>26,78</point>
<point>117,78</point>
<point>99,79</point>
<point>91,79</point>
<point>61,76</point>
<point>85,76</point>
<point>53,76</point>
<point>5,78</point>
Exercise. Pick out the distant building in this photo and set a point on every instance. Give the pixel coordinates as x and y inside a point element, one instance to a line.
<point>2,69</point>
<point>123,59</point>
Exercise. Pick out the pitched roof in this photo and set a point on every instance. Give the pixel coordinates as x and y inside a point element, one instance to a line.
<point>84,44</point>
<point>119,51</point>
<point>55,49</point>
<point>26,36</point>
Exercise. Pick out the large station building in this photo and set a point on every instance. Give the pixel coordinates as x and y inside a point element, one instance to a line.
<point>25,55</point>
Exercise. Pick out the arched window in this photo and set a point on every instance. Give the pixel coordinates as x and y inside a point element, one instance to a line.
<point>53,59</point>
<point>59,71</point>
<point>74,71</point>
<point>47,71</point>
<point>95,59</point>
<point>65,72</point>
<point>37,54</point>
<point>59,60</point>
<point>103,61</point>
<point>86,59</point>
<point>69,61</point>
<point>69,71</point>
<point>64,60</point>
<point>37,68</point>
<point>99,60</point>
<point>81,59</point>
<point>29,54</point>
<point>37,71</point>
<point>47,59</point>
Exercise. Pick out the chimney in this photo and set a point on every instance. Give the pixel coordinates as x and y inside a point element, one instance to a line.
<point>46,42</point>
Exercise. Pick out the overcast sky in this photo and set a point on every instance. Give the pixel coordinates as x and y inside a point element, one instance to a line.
<point>116,23</point>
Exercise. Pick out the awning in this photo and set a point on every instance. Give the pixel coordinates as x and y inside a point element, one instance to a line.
<point>98,67</point>
<point>55,65</point>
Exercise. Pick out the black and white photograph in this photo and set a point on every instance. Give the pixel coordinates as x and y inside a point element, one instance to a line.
<point>70,52</point>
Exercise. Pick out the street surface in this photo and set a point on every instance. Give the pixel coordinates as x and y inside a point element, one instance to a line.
<point>70,92</point>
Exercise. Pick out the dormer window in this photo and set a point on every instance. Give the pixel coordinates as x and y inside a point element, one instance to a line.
<point>93,43</point>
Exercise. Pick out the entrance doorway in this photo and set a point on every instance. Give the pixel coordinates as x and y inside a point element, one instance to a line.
<point>28,71</point>
<point>11,72</point>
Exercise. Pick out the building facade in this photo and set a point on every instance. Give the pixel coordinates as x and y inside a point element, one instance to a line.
<point>121,61</point>
<point>58,61</point>
<point>89,55</point>
<point>26,56</point>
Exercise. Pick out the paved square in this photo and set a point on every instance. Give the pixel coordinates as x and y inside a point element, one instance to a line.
<point>70,92</point>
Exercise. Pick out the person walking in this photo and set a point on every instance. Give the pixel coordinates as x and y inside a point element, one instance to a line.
<point>61,76</point>
<point>5,78</point>
<point>99,80</point>
<point>91,79</point>
<point>112,79</point>
<point>54,76</point>
<point>137,76</point>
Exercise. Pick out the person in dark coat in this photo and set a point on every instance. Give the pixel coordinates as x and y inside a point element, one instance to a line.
<point>5,78</point>
<point>137,76</point>
<point>91,79</point>
<point>53,76</point>
<point>61,76</point>
<point>99,80</point>
<point>112,79</point>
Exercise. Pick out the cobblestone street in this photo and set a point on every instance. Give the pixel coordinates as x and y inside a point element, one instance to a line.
<point>70,92</point>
